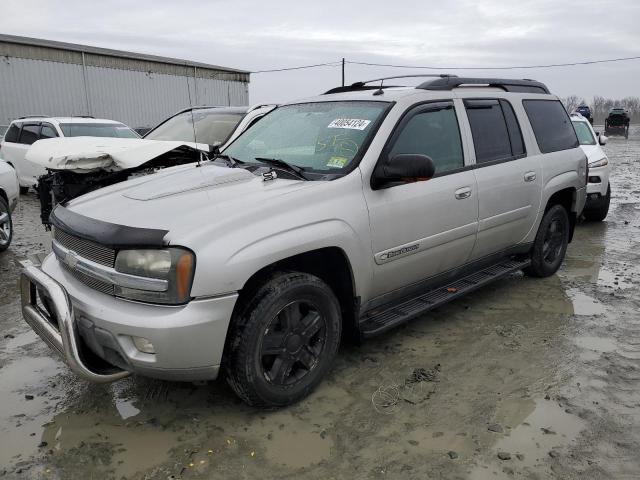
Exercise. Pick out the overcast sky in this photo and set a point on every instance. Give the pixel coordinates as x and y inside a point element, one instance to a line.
<point>256,35</point>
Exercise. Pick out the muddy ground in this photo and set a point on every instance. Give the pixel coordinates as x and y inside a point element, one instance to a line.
<point>526,378</point>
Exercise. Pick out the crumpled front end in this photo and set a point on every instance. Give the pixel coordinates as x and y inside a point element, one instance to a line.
<point>81,165</point>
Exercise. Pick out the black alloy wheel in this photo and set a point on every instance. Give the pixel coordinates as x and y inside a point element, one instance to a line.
<point>282,339</point>
<point>553,240</point>
<point>292,343</point>
<point>550,244</point>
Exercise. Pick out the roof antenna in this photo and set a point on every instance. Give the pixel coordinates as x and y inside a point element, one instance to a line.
<point>193,120</point>
<point>380,91</point>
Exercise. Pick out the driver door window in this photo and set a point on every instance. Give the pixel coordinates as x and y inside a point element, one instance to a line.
<point>432,131</point>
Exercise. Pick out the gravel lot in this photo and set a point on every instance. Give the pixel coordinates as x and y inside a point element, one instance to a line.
<point>526,378</point>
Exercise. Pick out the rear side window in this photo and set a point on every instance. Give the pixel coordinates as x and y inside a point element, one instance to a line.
<point>432,131</point>
<point>551,125</point>
<point>515,134</point>
<point>29,134</point>
<point>489,130</point>
<point>48,132</point>
<point>12,134</point>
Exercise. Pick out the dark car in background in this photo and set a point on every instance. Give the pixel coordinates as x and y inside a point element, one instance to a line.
<point>617,123</point>
<point>585,111</point>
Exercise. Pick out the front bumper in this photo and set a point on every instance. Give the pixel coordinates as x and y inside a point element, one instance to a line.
<point>598,181</point>
<point>93,332</point>
<point>60,334</point>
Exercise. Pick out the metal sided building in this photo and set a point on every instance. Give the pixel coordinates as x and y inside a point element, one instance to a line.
<point>42,77</point>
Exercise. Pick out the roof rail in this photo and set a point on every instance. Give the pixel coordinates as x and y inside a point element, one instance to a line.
<point>82,116</point>
<point>506,84</point>
<point>32,116</point>
<point>262,105</point>
<point>363,85</point>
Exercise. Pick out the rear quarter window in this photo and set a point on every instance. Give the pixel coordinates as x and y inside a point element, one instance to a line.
<point>551,125</point>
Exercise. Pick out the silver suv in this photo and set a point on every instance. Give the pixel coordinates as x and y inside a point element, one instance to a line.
<point>344,214</point>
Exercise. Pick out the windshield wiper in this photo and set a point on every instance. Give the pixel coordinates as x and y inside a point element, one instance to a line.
<point>230,161</point>
<point>281,164</point>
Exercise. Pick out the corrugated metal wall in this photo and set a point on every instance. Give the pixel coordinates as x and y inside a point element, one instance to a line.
<point>138,98</point>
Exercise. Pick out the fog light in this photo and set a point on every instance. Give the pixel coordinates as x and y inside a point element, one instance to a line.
<point>143,344</point>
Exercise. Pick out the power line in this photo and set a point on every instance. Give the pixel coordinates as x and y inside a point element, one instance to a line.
<point>426,67</point>
<point>550,65</point>
<point>330,64</point>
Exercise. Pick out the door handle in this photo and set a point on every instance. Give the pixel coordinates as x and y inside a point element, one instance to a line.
<point>529,176</point>
<point>462,193</point>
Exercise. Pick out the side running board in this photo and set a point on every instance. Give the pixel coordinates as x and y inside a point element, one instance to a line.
<point>386,317</point>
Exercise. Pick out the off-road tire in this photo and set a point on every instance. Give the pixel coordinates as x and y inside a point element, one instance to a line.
<point>243,363</point>
<point>4,208</point>
<point>600,213</point>
<point>541,266</point>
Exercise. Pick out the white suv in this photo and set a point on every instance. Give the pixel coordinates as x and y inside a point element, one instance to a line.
<point>25,131</point>
<point>347,213</point>
<point>598,188</point>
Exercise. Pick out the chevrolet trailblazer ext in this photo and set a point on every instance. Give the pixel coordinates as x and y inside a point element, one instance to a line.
<point>350,212</point>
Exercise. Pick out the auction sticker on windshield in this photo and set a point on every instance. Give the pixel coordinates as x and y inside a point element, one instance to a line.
<point>337,162</point>
<point>352,123</point>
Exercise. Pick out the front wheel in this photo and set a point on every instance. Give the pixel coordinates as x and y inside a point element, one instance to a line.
<point>284,341</point>
<point>550,244</point>
<point>6,225</point>
<point>599,213</point>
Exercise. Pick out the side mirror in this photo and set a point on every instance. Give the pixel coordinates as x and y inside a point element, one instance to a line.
<point>602,139</point>
<point>403,168</point>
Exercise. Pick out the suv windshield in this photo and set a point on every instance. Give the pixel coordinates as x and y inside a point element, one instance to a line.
<point>117,130</point>
<point>212,128</point>
<point>585,137</point>
<point>321,136</point>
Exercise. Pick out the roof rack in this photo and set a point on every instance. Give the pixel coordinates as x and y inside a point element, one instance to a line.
<point>32,116</point>
<point>506,84</point>
<point>357,86</point>
<point>82,116</point>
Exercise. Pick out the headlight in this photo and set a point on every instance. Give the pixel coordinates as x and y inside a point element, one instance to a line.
<point>599,163</point>
<point>176,265</point>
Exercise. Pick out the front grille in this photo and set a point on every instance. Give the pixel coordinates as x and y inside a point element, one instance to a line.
<point>90,282</point>
<point>86,248</point>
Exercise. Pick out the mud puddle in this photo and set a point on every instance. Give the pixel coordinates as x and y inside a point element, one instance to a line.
<point>547,428</point>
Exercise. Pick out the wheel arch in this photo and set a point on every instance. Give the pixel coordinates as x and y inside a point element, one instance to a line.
<point>330,264</point>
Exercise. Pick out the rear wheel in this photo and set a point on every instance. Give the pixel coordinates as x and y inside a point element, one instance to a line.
<point>550,244</point>
<point>599,213</point>
<point>24,190</point>
<point>6,225</point>
<point>284,341</point>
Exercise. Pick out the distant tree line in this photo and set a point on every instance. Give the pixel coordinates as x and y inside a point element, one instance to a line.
<point>601,106</point>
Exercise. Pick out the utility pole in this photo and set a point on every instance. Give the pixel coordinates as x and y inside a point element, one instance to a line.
<point>343,71</point>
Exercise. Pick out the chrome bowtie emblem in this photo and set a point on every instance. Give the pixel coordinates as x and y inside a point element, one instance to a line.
<point>71,259</point>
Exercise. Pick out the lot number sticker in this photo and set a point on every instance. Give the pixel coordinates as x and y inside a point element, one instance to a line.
<point>351,123</point>
<point>337,162</point>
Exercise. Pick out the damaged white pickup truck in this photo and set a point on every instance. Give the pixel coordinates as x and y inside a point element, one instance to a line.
<point>348,213</point>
